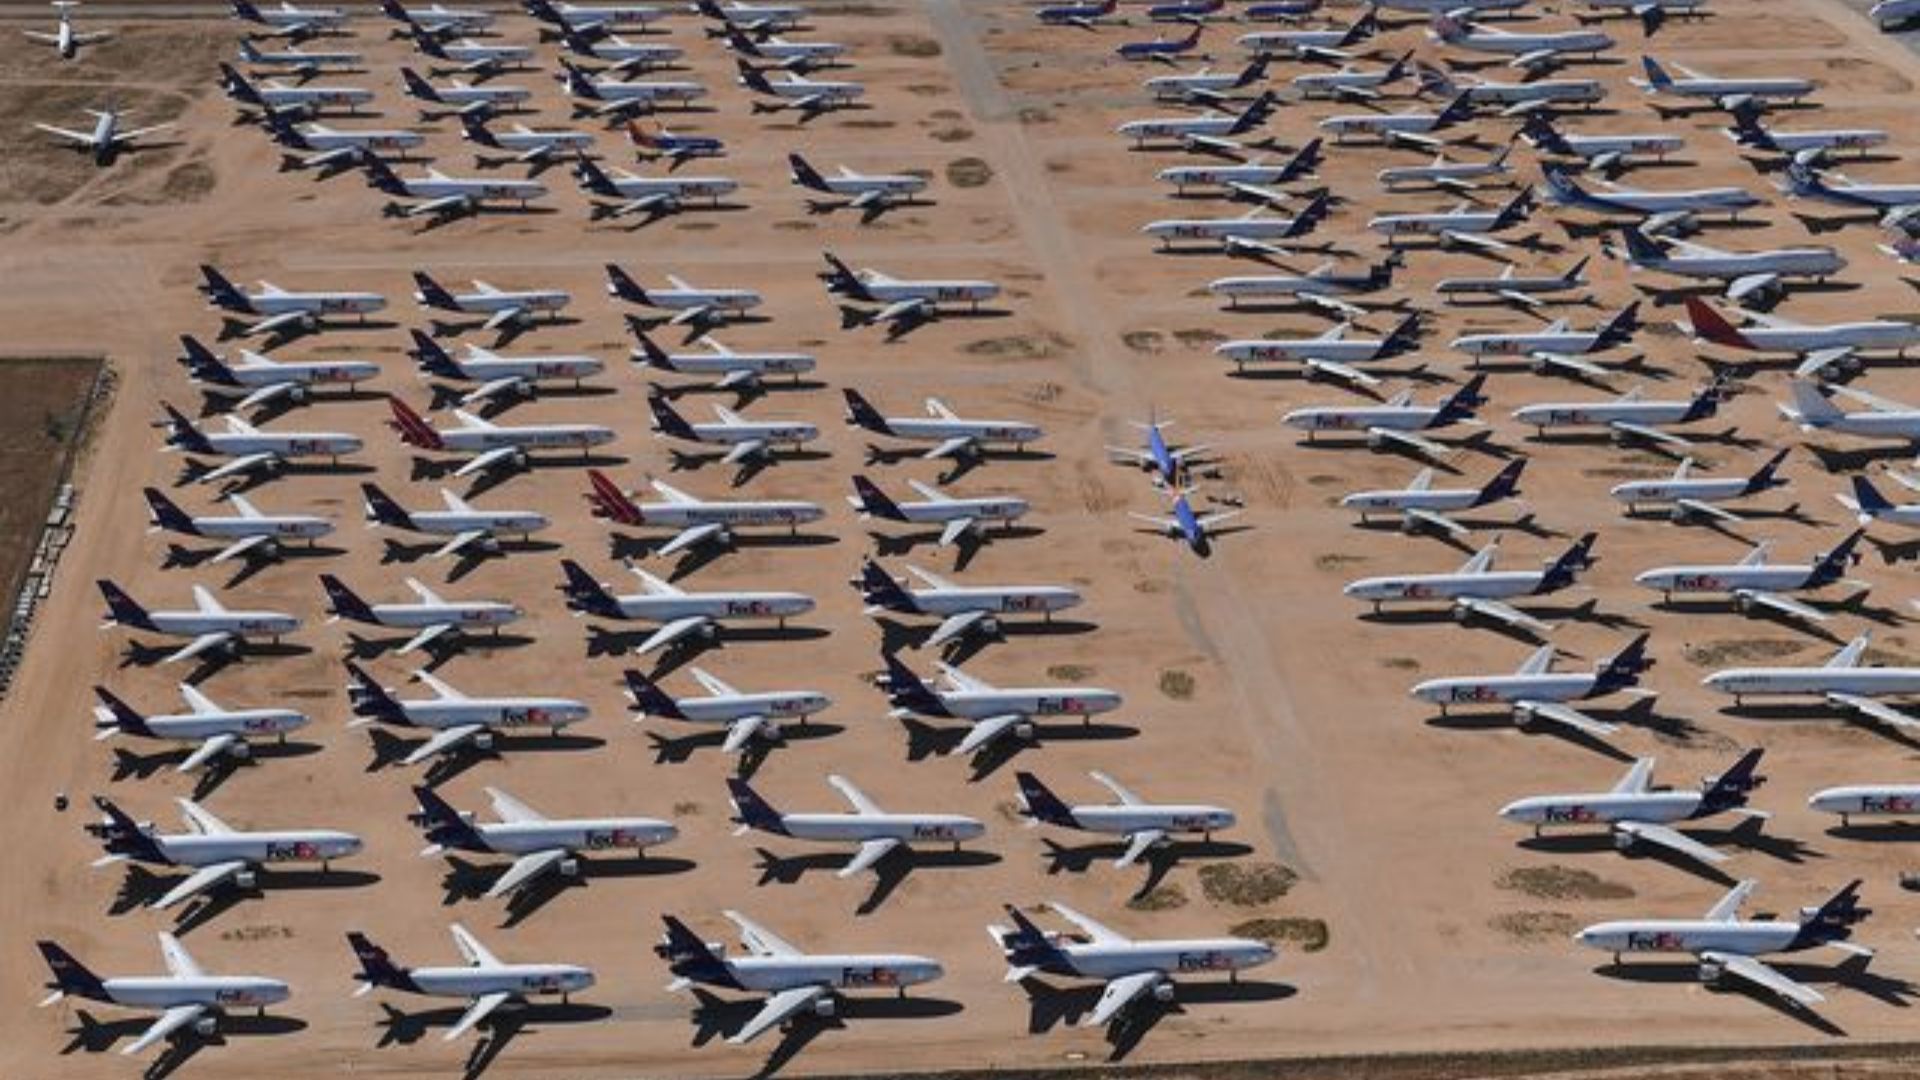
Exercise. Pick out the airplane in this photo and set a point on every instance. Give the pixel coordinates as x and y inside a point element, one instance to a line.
<point>1330,45</point>
<point>1890,14</point>
<point>743,438</point>
<point>430,617</point>
<point>1167,463</point>
<point>992,711</point>
<point>470,57</point>
<point>1745,273</point>
<point>1135,970</point>
<point>592,18</point>
<point>1421,505</point>
<point>1477,589</point>
<point>1320,287</point>
<point>539,844</point>
<point>962,609</point>
<point>957,517</point>
<point>1883,419</point>
<point>738,371</point>
<point>463,97</point>
<point>953,436</point>
<point>300,62</point>
<point>258,380</point>
<point>1535,692</point>
<point>614,96</point>
<point>437,18</point>
<point>877,832</point>
<point>484,980</point>
<point>1159,50</point>
<point>746,716</point>
<point>1608,154</point>
<point>782,53</point>
<point>272,97</point>
<point>443,196</point>
<point>1527,291</point>
<point>1455,176</point>
<point>871,192</point>
<point>904,301</point>
<point>1085,15</point>
<point>1727,947</point>
<point>1652,14</point>
<point>498,376</point>
<point>214,851</point>
<point>1556,346</point>
<point>1726,94</point>
<point>455,719</point>
<point>187,997</point>
<point>1463,226</point>
<point>1193,529</point>
<point>248,449</point>
<point>689,304</point>
<point>1401,128</point>
<point>1202,133</point>
<point>1331,353</point>
<point>282,309</point>
<point>1189,11</point>
<point>464,527</point>
<point>1248,234</point>
<point>1280,10</point>
<point>214,731</point>
<point>1754,583</point>
<point>1395,422</point>
<point>1897,203</point>
<point>1207,86</point>
<point>250,531</point>
<point>1144,825</point>
<point>681,615</point>
<point>1627,416</point>
<point>1842,682</point>
<point>626,57</point>
<point>1247,179</point>
<point>1517,98</point>
<point>1433,7</point>
<point>1657,211</point>
<point>659,142</point>
<point>1636,814</point>
<point>1351,83</point>
<point>1819,346</point>
<point>795,983</point>
<point>1805,147</point>
<point>493,446</point>
<point>526,145</point>
<point>1687,494</point>
<point>502,307</point>
<point>756,19</point>
<point>650,195</point>
<point>699,521</point>
<point>335,148</point>
<point>67,41</point>
<point>289,21</point>
<point>1531,51</point>
<point>1866,800</point>
<point>209,624</point>
<point>810,96</point>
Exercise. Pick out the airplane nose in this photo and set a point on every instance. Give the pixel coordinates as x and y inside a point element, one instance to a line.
<point>1510,810</point>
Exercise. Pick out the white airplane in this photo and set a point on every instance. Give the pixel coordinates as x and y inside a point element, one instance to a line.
<point>1331,353</point>
<point>1867,800</point>
<point>1803,147</point>
<point>247,532</point>
<point>1686,494</point>
<point>962,609</point>
<point>1319,288</point>
<point>526,145</point>
<point>618,96</point>
<point>1207,86</point>
<point>273,97</point>
<point>336,148</point>
<point>689,304</point>
<point>502,307</point>
<point>1726,94</point>
<point>1144,825</point>
<point>681,615</point>
<point>649,195</point>
<point>1421,505</point>
<point>625,57</point>
<point>1604,153</point>
<point>209,624</point>
<point>1891,14</point>
<point>953,436</point>
<point>1414,129</point>
<point>1726,946</point>
<point>1477,589</point>
<point>1753,582</point>
<point>1168,463</point>
<point>1883,419</point>
<point>431,616</point>
<point>1657,211</point>
<point>213,731</point>
<point>1841,682</point>
<point>186,996</point>
<point>1628,416</point>
<point>1351,83</point>
<point>870,192</point>
<point>493,446</point>
<point>1330,45</point>
<point>736,370</point>
<point>437,18</point>
<point>1515,98</point>
<point>463,97</point>
<point>1201,132</point>
<point>1819,346</point>
<point>759,20</point>
<point>1637,813</point>
<point>877,832</point>
<point>993,711</point>
<point>470,57</point>
<point>67,41</point>
<point>795,983</point>
<point>698,521</point>
<point>957,517</point>
<point>1537,693</point>
<point>746,716</point>
<point>105,139</point>
<point>284,309</point>
<point>258,380</point>
<point>1248,234</point>
<point>786,54</point>
<point>1556,346</point>
<point>1396,422</point>
<point>1745,273</point>
<point>593,18</point>
<point>743,438</point>
<point>1529,291</point>
<point>1135,970</point>
<point>484,980</point>
<point>1253,180</point>
<point>1531,50</point>
<point>1652,13</point>
<point>214,851</point>
<point>903,301</point>
<point>499,376</point>
<point>442,196</point>
<point>810,96</point>
<point>1463,226</point>
<point>539,844</point>
<point>1456,176</point>
<point>463,526</point>
<point>288,20</point>
<point>455,719</point>
<point>1897,204</point>
<point>302,62</point>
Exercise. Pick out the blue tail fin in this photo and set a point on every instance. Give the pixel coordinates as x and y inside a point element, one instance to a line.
<point>1566,569</point>
<point>879,589</point>
<point>1869,497</point>
<point>668,419</point>
<point>367,697</point>
<point>1041,803</point>
<point>805,174</point>
<point>1730,788</point>
<point>376,967</point>
<point>444,825</point>
<point>1657,76</point>
<point>586,594</point>
<point>1027,945</point>
<point>202,364</point>
<point>343,602</point>
<point>221,292</point>
<point>166,514</point>
<point>1767,475</point>
<point>876,502</point>
<point>1462,402</point>
<point>382,509</point>
<point>122,608</point>
<point>431,294</point>
<point>1833,920</point>
<point>70,976</point>
<point>1834,563</point>
<point>120,835</point>
<point>624,287</point>
<point>1623,669</point>
<point>649,698</point>
<point>751,810</point>
<point>862,414</point>
<point>1504,485</point>
<point>123,717</point>
<point>909,691</point>
<point>688,957</point>
<point>432,357</point>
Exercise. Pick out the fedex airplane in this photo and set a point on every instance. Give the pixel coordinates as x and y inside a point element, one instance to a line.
<point>681,615</point>
<point>455,719</point>
<point>691,305</point>
<point>1331,353</point>
<point>625,57</point>
<point>698,521</point>
<point>993,711</point>
<point>1351,83</point>
<point>1402,128</point>
<point>963,609</point>
<point>105,139</point>
<point>271,96</point>
<point>213,731</point>
<point>1210,134</point>
<point>1535,692</point>
<point>520,307</point>
<point>464,527</point>
<point>870,192</point>
<point>493,446</point>
<point>1207,86</point>
<point>1463,226</point>
<point>1527,290</point>
<point>1396,422</point>
<point>1756,274</point>
<point>953,436</point>
<point>470,57</point>
<point>337,148</point>
<point>442,196</point>
<point>1477,589</point>
<point>650,195</point>
<point>1896,203</point>
<point>527,146</point>
<point>282,309</point>
<point>738,371</point>
<point>1556,346</point>
<point>484,981</point>
<point>540,845</point>
<point>1320,287</point>
<point>431,617</point>
<point>1247,179</point>
<point>1657,211</point>
<point>1882,419</point>
<point>1330,45</point>
<point>289,20</point>
<point>748,17</point>
<point>464,98</point>
<point>593,18</point>
<point>1195,530</point>
<point>785,53</point>
<point>747,717</point>
<point>1143,825</point>
<point>1842,682</point>
<point>1160,50</point>
<point>67,41</point>
<point>1517,98</point>
<point>1686,494</point>
<point>903,301</point>
<point>1455,176</point>
<point>1628,416</point>
<point>1867,800</point>
<point>876,832</point>
<point>1754,582</point>
<point>1869,506</point>
<point>1608,154</point>
<point>209,625</point>
<point>618,97</point>
<point>1248,234</point>
<point>1819,346</point>
<point>1729,94</point>
<point>1421,505</point>
<point>1636,813</point>
<point>257,380</point>
<point>1805,147</point>
<point>1532,50</point>
<point>213,851</point>
<point>498,376</point>
<point>186,997</point>
<point>437,18</point>
<point>743,438</point>
<point>247,532</point>
<point>810,97</point>
<point>957,517</point>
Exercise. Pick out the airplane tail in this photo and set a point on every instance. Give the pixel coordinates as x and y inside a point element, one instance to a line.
<point>123,609</point>
<point>368,698</point>
<point>285,133</point>
<point>432,294</point>
<point>577,82</point>
<point>741,43</point>
<point>1749,131</point>
<point>182,434</point>
<point>1040,803</point>
<point>584,593</point>
<point>876,502</point>
<point>1572,277</point>
<point>646,350</point>
<point>221,292</point>
<point>1730,788</point>
<point>343,603</point>
<point>1832,921</point>
<point>752,79</point>
<point>1304,160</point>
<point>1433,80</point>
<point>238,86</point>
<point>608,501</point>
<point>688,957</point>
<point>619,284</point>
<point>442,824</point>
<point>1254,73</point>
<point>1446,28</point>
<point>649,698</point>
<point>1641,250</point>
<point>542,10</point>
<point>1624,668</point>
<point>474,127</point>
<point>1561,186</point>
<point>1460,405</point>
<point>1256,113</point>
<point>1712,326</point>
<point>1504,485</point>
<point>595,179</point>
<point>1869,499</point>
<point>1539,130</point>
<point>805,174</point>
<point>1026,945</point>
<point>1458,109</point>
<point>909,691</point>
<point>1811,407</point>
<point>380,175</point>
<point>376,966</point>
<point>1515,211</point>
<point>120,835</point>
<point>1705,403</point>
<point>392,10</point>
<point>879,589</point>
<point>418,87</point>
<point>244,9</point>
<point>1830,566</point>
<point>1566,569</point>
<point>70,976</point>
<point>1657,77</point>
<point>1619,329</point>
<point>381,508</point>
<point>432,358</point>
<point>668,420</point>
<point>1404,336</point>
<point>166,514</point>
<point>116,715</point>
<point>1766,477</point>
<point>1804,180</point>
<point>841,279</point>
<point>752,811</point>
<point>862,414</point>
<point>1309,216</point>
<point>202,364</point>
<point>425,42</point>
<point>414,431</point>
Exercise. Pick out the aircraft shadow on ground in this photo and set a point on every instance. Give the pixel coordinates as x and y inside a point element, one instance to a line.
<point>714,1017</point>
<point>888,873</point>
<point>468,881</point>
<point>1052,1006</point>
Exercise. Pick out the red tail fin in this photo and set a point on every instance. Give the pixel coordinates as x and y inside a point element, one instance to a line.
<point>638,135</point>
<point>609,501</point>
<point>1710,325</point>
<point>413,430</point>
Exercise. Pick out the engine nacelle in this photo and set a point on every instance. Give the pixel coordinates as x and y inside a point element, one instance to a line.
<point>300,394</point>
<point>1163,992</point>
<point>1024,730</point>
<point>568,867</point>
<point>240,751</point>
<point>484,740</point>
<point>826,1007</point>
<point>1375,442</point>
<point>206,1026</point>
<point>1523,717</point>
<point>1710,972</point>
<point>246,879</point>
<point>1623,841</point>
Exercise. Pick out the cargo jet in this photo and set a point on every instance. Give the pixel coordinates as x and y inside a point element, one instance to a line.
<point>625,57</point>
<point>904,302</point>
<point>105,140</point>
<point>469,57</point>
<point>1463,226</point>
<point>1330,353</point>
<point>186,996</point>
<point>1248,234</point>
<point>209,624</point>
<point>877,832</point>
<point>1421,505</point>
<point>744,439</point>
<point>1207,86</point>
<point>464,98</point>
<point>455,719</point>
<point>484,981</point>
<point>1531,51</point>
<point>681,615</point>
<point>1477,589</point>
<point>1320,287</point>
<point>698,520</point>
<point>1535,692</point>
<point>257,380</point>
<point>430,617</point>
<point>1808,148</point>
<point>441,196</point>
<point>288,20</point>
<point>957,517</point>
<point>1867,800</point>
<point>527,146</point>
<point>953,436</point>
<point>774,51</point>
<point>1331,45</point>
<point>1608,154</point>
<point>1200,132</point>
<point>757,19</point>
<point>1638,814</point>
<point>873,193</point>
<point>1628,416</point>
<point>963,609</point>
<point>1843,682</point>
<point>247,532</point>
<point>1513,287</point>
<point>213,731</point>
<point>1897,204</point>
<point>495,376</point>
<point>282,309</point>
<point>1351,83</point>
<point>1812,410</point>
<point>1729,94</point>
<point>593,18</point>
<point>617,97</point>
<point>1143,825</point>
<point>248,449</point>
<point>502,307</point>
<point>1745,274</point>
<point>67,41</point>
<point>493,446</point>
<point>653,196</point>
<point>272,97</point>
<point>1402,128</point>
<point>214,851</point>
<point>1657,211</point>
<point>1396,422</point>
<point>437,18</point>
<point>539,844</point>
<point>1686,495</point>
<point>464,527</point>
<point>747,717</point>
<point>810,97</point>
<point>737,371</point>
<point>1754,583</point>
<point>1252,180</point>
<point>335,149</point>
<point>992,711</point>
<point>1456,176</point>
<point>691,305</point>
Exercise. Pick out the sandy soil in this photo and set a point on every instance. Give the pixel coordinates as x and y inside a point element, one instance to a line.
<point>1249,681</point>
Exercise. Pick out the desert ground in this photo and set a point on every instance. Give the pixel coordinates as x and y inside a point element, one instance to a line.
<point>1249,680</point>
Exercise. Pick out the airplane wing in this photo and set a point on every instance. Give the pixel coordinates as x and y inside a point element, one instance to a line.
<point>441,205</point>
<point>470,947</point>
<point>274,323</point>
<point>1707,509</point>
<point>1651,434</point>
<point>1099,932</point>
<point>129,136</point>
<point>240,547</point>
<point>460,542</point>
<point>198,882</point>
<point>525,869</point>
<point>199,645</point>
<point>986,730</point>
<point>1871,400</point>
<point>712,683</point>
<point>1537,662</point>
<point>959,444</point>
<point>870,853</point>
<point>493,388</point>
<point>1504,613</point>
<point>741,732</point>
<point>758,939</point>
<point>1813,363</point>
<point>1727,908</point>
<point>166,1024</point>
<point>509,314</point>
<point>426,637</point>
<point>956,626</point>
<point>84,140</point>
<point>735,379</point>
<point>1785,605</point>
<point>861,804</point>
<point>441,688</point>
<point>1411,138</point>
<point>208,749</point>
<point>513,810</point>
<point>1565,362</point>
<point>202,820</point>
<point>1672,840</point>
<point>1515,297</point>
<point>243,464</point>
<point>1472,240</point>
<point>1878,710</point>
<point>673,632</point>
<point>1341,371</point>
<point>1571,717</point>
<point>1165,524</point>
<point>1410,441</point>
<point>955,529</point>
<point>442,741</point>
<point>1139,844</point>
<point>1335,305</point>
<point>269,393</point>
<point>1120,993</point>
<point>1435,520</point>
<point>488,460</point>
<point>777,1010</point>
<point>668,491</point>
<point>743,450</point>
<point>1742,287</point>
<point>1127,798</point>
<point>476,1012</point>
<point>1635,782</point>
<point>1759,974</point>
<point>42,37</point>
<point>180,963</point>
<point>690,537</point>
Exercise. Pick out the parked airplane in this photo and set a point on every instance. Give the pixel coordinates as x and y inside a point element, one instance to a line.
<point>1248,234</point>
<point>186,996</point>
<point>1251,180</point>
<point>1629,416</point>
<point>752,18</point>
<point>870,192</point>
<point>437,18</point>
<point>104,141</point>
<point>498,376</point>
<point>957,517</point>
<point>653,196</point>
<point>526,145</point>
<point>1135,970</point>
<point>698,521</point>
<point>1414,129</point>
<point>681,615</point>
<point>464,527</point>
<point>1637,813</point>
<point>484,980</point>
<point>430,617</point>
<point>1726,946</point>
<point>1609,154</point>
<point>1085,15</point>
<point>1897,204</point>
<point>1331,45</point>
<point>877,832</point>
<point>1556,346</point>
<point>794,982</point>
<point>1160,50</point>
<point>336,148</point>
<point>213,731</point>
<point>1657,211</point>
<point>1535,692</point>
<point>1167,463</point>
<point>502,307</point>
<point>625,57</point>
<point>1891,14</point>
<point>689,304</point>
<point>469,57</point>
<point>1463,226</point>
<point>1867,800</point>
<point>273,97</point>
<point>1456,176</point>
<point>1516,98</point>
<point>903,301</point>
<point>1145,826</point>
<point>493,446</point>
<point>540,844</point>
<point>746,716</point>
<point>1188,11</point>
<point>464,98</point>
<point>1652,14</point>
<point>67,41</point>
<point>1729,94</point>
<point>214,851</point>
<point>1202,133</point>
<point>1320,287</point>
<point>962,609</point>
<point>1819,346</point>
<point>810,97</point>
<point>1882,419</point>
<point>593,18</point>
<point>1753,582</point>
<point>1841,682</point>
<point>1351,83</point>
<point>1207,86</point>
<point>658,142</point>
<point>1745,273</point>
<point>249,531</point>
<point>1396,422</point>
<point>993,711</point>
<point>1531,50</point>
<point>1528,291</point>
<point>1807,148</point>
<point>743,438</point>
<point>953,436</point>
<point>1194,529</point>
<point>209,624</point>
<point>784,53</point>
<point>248,449</point>
<point>1686,495</point>
<point>290,21</point>
<point>455,719</point>
<point>1421,505</point>
<point>282,309</point>
<point>619,97</point>
<point>257,380</point>
<point>739,371</point>
<point>1477,589</point>
<point>1332,353</point>
<point>443,196</point>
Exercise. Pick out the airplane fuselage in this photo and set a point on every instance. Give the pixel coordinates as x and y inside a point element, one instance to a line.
<point>717,606</point>
<point>213,991</point>
<point>1110,960</point>
<point>471,614</point>
<point>514,712</point>
<point>1868,800</point>
<point>1604,808</point>
<point>575,834</point>
<point>1712,578</point>
<point>1053,701</point>
<point>999,600</point>
<point>860,828</point>
<point>1821,681</point>
<point>1741,938</point>
<point>1492,585</point>
<point>290,845</point>
<point>1484,689</point>
<point>1603,413</point>
<point>520,980</point>
<point>237,623</point>
<point>771,974</point>
<point>527,436</point>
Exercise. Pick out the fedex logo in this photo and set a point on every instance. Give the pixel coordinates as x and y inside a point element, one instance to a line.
<point>1659,941</point>
<point>1892,804</point>
<point>1573,814</point>
<point>298,850</point>
<point>527,717</point>
<point>1211,960</point>
<point>1022,603</point>
<point>749,607</point>
<point>1059,705</point>
<point>869,976</point>
<point>260,723</point>
<point>1699,582</point>
<point>933,832</point>
<point>1472,693</point>
<point>611,838</point>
